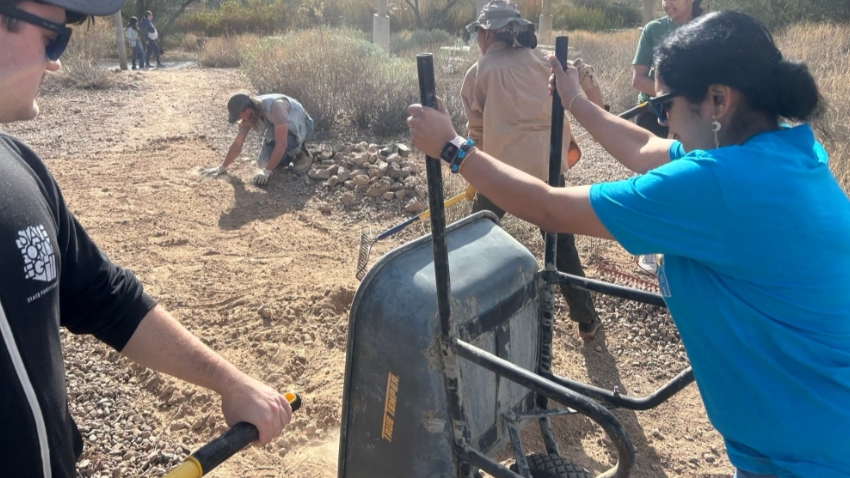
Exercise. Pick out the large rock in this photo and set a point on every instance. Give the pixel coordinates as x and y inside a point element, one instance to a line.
<point>349,184</point>
<point>395,157</point>
<point>403,150</point>
<point>379,188</point>
<point>388,150</point>
<point>414,206</point>
<point>375,173</point>
<point>347,199</point>
<point>412,165</point>
<point>360,180</point>
<point>394,171</point>
<point>401,194</point>
<point>411,182</point>
<point>395,186</point>
<point>373,149</point>
<point>389,195</point>
<point>421,191</point>
<point>320,174</point>
<point>333,181</point>
<point>344,174</point>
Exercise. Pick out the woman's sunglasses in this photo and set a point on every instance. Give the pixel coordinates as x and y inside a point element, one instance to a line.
<point>660,105</point>
<point>56,46</point>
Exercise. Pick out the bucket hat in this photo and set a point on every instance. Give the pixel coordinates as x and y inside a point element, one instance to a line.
<point>498,14</point>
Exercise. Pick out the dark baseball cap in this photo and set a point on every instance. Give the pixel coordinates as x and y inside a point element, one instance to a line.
<point>97,8</point>
<point>237,105</point>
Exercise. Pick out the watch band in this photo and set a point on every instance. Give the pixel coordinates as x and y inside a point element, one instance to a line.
<point>461,155</point>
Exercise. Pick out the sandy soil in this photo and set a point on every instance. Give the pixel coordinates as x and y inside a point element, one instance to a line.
<point>214,251</point>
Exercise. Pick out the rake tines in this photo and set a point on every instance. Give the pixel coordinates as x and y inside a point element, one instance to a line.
<point>366,242</point>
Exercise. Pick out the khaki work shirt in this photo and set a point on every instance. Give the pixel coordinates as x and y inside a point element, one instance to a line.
<point>509,109</point>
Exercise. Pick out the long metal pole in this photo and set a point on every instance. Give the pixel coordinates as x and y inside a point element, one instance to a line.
<point>451,369</point>
<point>547,296</point>
<point>428,97</point>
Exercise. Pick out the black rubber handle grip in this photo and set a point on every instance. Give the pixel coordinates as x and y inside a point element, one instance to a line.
<point>230,442</point>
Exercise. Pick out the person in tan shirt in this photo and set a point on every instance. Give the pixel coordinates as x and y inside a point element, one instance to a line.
<point>509,113</point>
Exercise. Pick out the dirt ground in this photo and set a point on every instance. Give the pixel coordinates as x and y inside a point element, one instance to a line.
<point>213,251</point>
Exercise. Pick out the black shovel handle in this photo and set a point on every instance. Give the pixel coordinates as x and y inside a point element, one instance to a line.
<point>231,442</point>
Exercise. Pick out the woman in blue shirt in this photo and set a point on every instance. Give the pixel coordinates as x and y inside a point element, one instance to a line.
<point>729,202</point>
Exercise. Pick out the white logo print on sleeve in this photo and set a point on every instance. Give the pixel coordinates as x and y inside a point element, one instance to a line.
<point>39,259</point>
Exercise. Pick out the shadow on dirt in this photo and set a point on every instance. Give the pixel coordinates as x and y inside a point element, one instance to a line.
<point>286,192</point>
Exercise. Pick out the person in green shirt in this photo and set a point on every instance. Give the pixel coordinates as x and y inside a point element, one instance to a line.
<point>678,13</point>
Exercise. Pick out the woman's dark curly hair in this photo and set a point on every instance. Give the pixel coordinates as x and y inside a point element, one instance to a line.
<point>734,49</point>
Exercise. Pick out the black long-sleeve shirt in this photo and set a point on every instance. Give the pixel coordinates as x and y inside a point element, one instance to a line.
<point>51,275</point>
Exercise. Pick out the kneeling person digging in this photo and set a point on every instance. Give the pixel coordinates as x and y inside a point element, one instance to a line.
<point>284,126</point>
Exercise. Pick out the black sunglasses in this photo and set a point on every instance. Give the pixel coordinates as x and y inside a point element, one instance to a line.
<point>56,46</point>
<point>660,104</point>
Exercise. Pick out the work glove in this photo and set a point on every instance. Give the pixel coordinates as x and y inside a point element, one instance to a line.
<point>213,172</point>
<point>586,75</point>
<point>262,177</point>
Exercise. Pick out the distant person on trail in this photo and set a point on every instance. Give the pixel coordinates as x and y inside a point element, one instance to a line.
<point>150,37</point>
<point>510,116</point>
<point>678,12</point>
<point>135,43</point>
<point>284,127</point>
<point>54,275</point>
<point>766,332</point>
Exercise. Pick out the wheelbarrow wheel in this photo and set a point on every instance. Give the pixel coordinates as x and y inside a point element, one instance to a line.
<point>553,466</point>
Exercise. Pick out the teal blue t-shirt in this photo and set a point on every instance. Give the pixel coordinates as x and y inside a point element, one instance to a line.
<point>756,269</point>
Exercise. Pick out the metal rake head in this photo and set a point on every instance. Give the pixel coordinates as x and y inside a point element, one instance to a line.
<point>366,242</point>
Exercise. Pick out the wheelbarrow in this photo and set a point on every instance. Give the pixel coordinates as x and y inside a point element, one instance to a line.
<point>450,348</point>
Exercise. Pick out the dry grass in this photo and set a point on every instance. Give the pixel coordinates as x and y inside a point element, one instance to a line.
<point>826,50</point>
<point>226,51</point>
<point>611,55</point>
<point>89,46</point>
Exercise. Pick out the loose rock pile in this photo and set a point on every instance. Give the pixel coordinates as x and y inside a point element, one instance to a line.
<point>368,170</point>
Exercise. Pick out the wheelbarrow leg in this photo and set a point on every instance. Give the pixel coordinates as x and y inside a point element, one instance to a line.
<point>547,317</point>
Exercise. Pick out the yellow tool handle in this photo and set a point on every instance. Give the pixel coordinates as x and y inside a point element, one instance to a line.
<point>469,194</point>
<point>215,452</point>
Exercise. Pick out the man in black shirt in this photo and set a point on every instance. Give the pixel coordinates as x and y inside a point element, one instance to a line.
<point>54,275</point>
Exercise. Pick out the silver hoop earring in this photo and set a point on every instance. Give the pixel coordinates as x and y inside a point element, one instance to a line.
<point>715,126</point>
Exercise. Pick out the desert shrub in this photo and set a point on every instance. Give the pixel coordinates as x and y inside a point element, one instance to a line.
<point>611,55</point>
<point>417,41</point>
<point>227,51</point>
<point>192,42</point>
<point>324,70</point>
<point>568,16</point>
<point>379,103</point>
<point>251,16</point>
<point>82,66</point>
<point>340,77</point>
